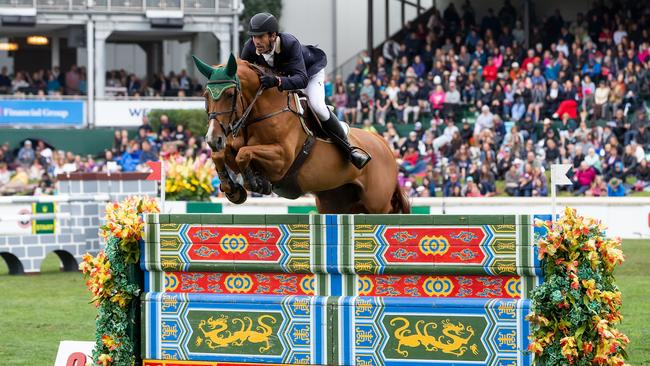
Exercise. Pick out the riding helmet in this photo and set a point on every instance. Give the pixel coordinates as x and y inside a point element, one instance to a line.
<point>262,23</point>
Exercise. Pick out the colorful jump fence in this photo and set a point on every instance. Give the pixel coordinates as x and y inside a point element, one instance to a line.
<point>337,289</point>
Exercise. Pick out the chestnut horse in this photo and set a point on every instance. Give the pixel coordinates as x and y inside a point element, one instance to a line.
<point>260,134</point>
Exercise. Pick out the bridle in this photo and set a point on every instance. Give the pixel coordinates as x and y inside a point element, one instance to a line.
<point>234,125</point>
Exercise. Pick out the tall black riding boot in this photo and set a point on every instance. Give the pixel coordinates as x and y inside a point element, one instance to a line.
<point>357,157</point>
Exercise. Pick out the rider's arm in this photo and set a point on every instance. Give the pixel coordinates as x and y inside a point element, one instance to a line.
<point>295,69</point>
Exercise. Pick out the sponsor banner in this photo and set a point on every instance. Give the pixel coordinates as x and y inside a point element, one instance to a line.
<point>74,353</point>
<point>43,226</point>
<point>15,227</point>
<point>129,113</point>
<point>43,112</point>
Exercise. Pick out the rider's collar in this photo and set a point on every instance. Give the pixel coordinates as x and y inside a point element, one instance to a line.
<point>276,46</point>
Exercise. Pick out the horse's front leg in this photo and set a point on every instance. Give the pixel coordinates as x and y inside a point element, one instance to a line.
<point>233,190</point>
<point>270,159</point>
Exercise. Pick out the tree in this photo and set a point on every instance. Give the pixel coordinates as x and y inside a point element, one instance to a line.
<point>252,7</point>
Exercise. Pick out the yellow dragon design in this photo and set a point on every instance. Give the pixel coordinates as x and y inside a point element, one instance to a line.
<point>451,342</point>
<point>217,335</point>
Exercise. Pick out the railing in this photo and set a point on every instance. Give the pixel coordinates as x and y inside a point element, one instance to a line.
<point>122,6</point>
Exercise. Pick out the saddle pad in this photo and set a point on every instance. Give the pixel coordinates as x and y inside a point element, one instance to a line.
<point>301,110</point>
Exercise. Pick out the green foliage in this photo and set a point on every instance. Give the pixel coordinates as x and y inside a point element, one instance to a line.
<point>252,7</point>
<point>194,120</point>
<point>113,320</point>
<point>576,310</point>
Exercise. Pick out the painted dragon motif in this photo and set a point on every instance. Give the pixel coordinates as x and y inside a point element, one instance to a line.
<point>454,338</point>
<point>217,334</point>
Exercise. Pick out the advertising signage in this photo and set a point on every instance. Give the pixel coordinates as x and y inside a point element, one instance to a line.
<point>42,113</point>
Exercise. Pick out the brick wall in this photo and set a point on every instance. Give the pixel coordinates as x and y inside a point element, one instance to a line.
<point>80,233</point>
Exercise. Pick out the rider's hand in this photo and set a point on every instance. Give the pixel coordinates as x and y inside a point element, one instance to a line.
<point>269,81</point>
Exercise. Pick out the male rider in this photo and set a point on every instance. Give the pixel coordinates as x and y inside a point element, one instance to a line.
<point>300,67</point>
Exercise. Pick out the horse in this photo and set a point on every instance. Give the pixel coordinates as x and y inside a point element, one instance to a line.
<point>262,134</point>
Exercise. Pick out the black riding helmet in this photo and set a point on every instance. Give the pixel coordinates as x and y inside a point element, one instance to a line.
<point>262,23</point>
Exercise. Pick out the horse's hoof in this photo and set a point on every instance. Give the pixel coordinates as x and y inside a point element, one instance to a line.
<point>238,195</point>
<point>265,187</point>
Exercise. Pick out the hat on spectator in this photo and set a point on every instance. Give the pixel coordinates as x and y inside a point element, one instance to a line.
<point>418,125</point>
<point>469,179</point>
<point>515,65</point>
<point>614,181</point>
<point>437,80</point>
<point>547,121</point>
<point>518,161</point>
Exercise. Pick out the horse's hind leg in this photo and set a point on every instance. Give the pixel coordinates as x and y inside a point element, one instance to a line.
<point>341,200</point>
<point>376,199</point>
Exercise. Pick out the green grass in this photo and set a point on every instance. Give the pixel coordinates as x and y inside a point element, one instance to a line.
<point>38,311</point>
<point>632,278</point>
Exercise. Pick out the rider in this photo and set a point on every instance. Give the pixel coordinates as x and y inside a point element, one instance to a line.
<point>301,67</point>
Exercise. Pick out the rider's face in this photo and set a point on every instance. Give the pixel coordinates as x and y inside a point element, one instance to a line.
<point>263,42</point>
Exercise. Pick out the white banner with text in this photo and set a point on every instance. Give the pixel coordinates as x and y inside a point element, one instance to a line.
<point>129,113</point>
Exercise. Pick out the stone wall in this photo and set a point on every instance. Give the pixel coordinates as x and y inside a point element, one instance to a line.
<point>78,234</point>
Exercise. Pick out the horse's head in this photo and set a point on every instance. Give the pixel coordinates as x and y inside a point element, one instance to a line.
<point>225,96</point>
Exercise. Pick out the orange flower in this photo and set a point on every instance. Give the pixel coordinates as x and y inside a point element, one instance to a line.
<point>536,348</point>
<point>105,359</point>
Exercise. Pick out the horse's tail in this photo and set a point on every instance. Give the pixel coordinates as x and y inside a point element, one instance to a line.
<point>399,201</point>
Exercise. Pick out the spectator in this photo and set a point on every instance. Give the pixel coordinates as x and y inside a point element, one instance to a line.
<point>130,158</point>
<point>148,154</point>
<point>484,121</point>
<point>452,187</point>
<point>615,188</point>
<point>26,155</point>
<point>583,178</point>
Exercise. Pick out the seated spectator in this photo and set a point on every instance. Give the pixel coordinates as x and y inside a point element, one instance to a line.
<point>130,158</point>
<point>485,120</point>
<point>583,178</point>
<point>437,99</point>
<point>540,186</point>
<point>598,188</point>
<point>367,126</point>
<point>365,109</point>
<point>615,188</point>
<point>148,154</point>
<point>26,155</point>
<point>5,174</point>
<point>472,189</point>
<point>512,177</point>
<point>452,187</point>
<point>340,100</point>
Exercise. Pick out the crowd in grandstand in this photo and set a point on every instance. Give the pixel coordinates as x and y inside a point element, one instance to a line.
<point>72,82</point>
<point>484,114</point>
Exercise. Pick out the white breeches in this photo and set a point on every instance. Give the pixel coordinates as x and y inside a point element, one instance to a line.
<point>315,90</point>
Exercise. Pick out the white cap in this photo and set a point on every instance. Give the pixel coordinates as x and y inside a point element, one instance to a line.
<point>437,80</point>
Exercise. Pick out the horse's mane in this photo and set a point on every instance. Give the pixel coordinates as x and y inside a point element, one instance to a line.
<point>259,70</point>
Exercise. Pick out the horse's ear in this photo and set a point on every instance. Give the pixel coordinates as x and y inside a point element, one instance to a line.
<point>204,68</point>
<point>231,67</point>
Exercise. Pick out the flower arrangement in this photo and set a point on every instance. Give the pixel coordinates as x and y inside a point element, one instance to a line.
<point>575,310</point>
<point>109,282</point>
<point>189,179</point>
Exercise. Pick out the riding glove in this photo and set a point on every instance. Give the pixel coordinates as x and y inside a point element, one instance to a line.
<point>269,81</point>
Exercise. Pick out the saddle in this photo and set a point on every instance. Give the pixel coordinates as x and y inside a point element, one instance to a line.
<point>312,124</point>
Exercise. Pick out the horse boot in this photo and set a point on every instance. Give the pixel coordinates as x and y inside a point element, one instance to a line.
<point>357,157</point>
